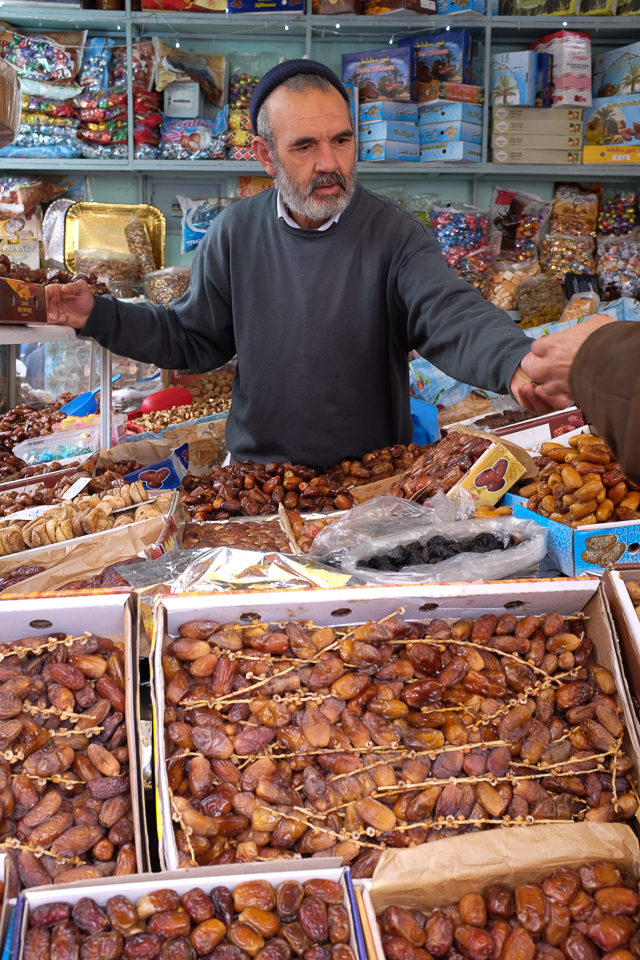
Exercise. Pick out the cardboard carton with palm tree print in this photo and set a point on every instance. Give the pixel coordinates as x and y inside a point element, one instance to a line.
<point>613,120</point>
<point>617,72</point>
<point>512,78</point>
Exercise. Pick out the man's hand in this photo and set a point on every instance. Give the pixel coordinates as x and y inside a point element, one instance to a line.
<point>69,304</point>
<point>552,357</point>
<point>527,394</point>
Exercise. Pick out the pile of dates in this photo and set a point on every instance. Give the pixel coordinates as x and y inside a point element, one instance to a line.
<point>571,915</point>
<point>255,490</point>
<point>255,920</point>
<point>10,466</point>
<point>288,738</point>
<point>377,465</point>
<point>65,796</point>
<point>22,422</point>
<point>582,484</point>
<point>435,550</point>
<point>443,465</point>
<point>243,535</point>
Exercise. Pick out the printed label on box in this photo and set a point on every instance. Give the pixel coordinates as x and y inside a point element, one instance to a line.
<point>538,156</point>
<point>515,141</point>
<point>388,110</point>
<point>379,74</point>
<point>449,132</point>
<point>388,130</point>
<point>492,475</point>
<point>613,120</point>
<point>617,72</point>
<point>625,154</point>
<point>512,78</point>
<point>388,150</point>
<point>461,150</point>
<point>448,110</point>
<point>445,57</point>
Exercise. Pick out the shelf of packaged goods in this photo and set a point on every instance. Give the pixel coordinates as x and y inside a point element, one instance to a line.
<point>41,14</point>
<point>149,23</point>
<point>522,28</point>
<point>77,164</point>
<point>618,171</point>
<point>352,26</point>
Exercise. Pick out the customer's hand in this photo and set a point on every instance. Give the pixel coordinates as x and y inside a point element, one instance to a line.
<point>551,359</point>
<point>69,304</point>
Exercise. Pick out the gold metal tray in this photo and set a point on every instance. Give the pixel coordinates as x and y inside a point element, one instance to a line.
<point>101,225</point>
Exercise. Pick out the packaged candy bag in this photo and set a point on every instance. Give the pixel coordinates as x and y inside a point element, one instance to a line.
<point>94,72</point>
<point>575,209</point>
<point>193,139</point>
<point>48,57</point>
<point>515,222</point>
<point>209,70</point>
<point>197,217</point>
<point>459,228</point>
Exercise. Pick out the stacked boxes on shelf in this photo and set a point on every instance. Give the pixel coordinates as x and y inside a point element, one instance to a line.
<point>612,124</point>
<point>450,131</point>
<point>388,131</point>
<point>535,135</point>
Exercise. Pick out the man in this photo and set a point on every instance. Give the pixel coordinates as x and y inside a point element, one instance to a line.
<point>321,288</point>
<point>596,363</point>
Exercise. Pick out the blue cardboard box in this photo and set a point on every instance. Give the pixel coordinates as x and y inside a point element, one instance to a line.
<point>445,57</point>
<point>388,150</point>
<point>544,80</point>
<point>451,7</point>
<point>164,475</point>
<point>379,74</point>
<point>266,6</point>
<point>612,120</point>
<point>460,150</point>
<point>617,72</point>
<point>449,132</point>
<point>388,110</point>
<point>448,110</point>
<point>512,78</point>
<point>477,71</point>
<point>388,130</point>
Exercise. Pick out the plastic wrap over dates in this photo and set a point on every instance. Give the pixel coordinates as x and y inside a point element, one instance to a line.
<point>65,795</point>
<point>580,914</point>
<point>290,739</point>
<point>254,920</point>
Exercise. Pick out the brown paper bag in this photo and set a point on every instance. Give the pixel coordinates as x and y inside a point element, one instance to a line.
<point>441,873</point>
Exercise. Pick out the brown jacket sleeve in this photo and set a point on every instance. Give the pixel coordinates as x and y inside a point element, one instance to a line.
<point>605,383</point>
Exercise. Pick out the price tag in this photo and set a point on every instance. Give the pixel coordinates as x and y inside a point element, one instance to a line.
<point>76,488</point>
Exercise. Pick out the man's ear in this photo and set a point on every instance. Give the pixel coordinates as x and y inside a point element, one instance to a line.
<point>261,150</point>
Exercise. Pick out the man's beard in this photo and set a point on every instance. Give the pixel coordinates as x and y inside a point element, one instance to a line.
<point>301,201</point>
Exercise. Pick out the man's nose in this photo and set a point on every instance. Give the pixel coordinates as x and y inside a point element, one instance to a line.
<point>326,159</point>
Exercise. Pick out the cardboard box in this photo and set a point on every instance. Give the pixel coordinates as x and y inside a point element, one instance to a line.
<point>353,605</point>
<point>538,8</point>
<point>379,74</point>
<point>24,253</point>
<point>388,150</point>
<point>450,131</point>
<point>627,626</point>
<point>626,154</point>
<point>615,72</point>
<point>330,8</point>
<point>388,110</point>
<point>447,111</point>
<point>533,120</point>
<point>23,226</point>
<point>512,78</point>
<point>571,53</point>
<point>181,881</point>
<point>266,6</point>
<point>544,80</point>
<point>388,130</point>
<point>611,120</point>
<point>461,150</point>
<point>528,434</point>
<point>453,7</point>
<point>628,8</point>
<point>442,56</point>
<point>470,863</point>
<point>538,156</point>
<point>459,92</point>
<point>104,615</point>
<point>22,302</point>
<point>166,474</point>
<point>531,142</point>
<point>380,7</point>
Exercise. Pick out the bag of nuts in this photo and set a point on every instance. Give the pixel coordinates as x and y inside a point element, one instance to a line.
<point>164,286</point>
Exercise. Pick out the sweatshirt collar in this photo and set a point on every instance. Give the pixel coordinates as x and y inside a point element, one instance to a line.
<point>283,215</point>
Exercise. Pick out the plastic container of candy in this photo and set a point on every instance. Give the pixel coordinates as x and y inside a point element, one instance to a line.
<point>619,267</point>
<point>459,228</point>
<point>540,300</point>
<point>54,446</point>
<point>562,253</point>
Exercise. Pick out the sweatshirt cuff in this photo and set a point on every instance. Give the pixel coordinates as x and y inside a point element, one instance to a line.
<point>98,319</point>
<point>511,361</point>
<point>589,356</point>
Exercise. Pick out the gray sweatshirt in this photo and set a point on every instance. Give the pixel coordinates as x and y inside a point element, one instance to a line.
<point>321,322</point>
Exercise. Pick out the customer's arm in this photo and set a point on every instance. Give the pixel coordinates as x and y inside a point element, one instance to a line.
<point>195,332</point>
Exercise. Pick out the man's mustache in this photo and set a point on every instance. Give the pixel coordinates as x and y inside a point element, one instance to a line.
<point>326,180</point>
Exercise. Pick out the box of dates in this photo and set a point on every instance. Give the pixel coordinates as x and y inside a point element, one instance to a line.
<point>271,655</point>
<point>523,879</point>
<point>244,905</point>
<point>22,302</point>
<point>622,587</point>
<point>77,789</point>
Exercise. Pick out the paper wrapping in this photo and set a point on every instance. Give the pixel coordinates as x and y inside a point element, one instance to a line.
<point>82,557</point>
<point>441,873</point>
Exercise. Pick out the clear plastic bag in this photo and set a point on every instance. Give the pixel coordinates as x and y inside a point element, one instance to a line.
<point>575,209</point>
<point>475,268</point>
<point>44,57</point>
<point>94,72</point>
<point>140,245</point>
<point>421,206</point>
<point>378,526</point>
<point>459,228</point>
<point>617,214</point>
<point>10,104</point>
<point>516,220</point>
<point>540,300</point>
<point>165,286</point>
<point>581,305</point>
<point>506,277</point>
<point>566,253</point>
<point>107,264</point>
<point>619,267</point>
